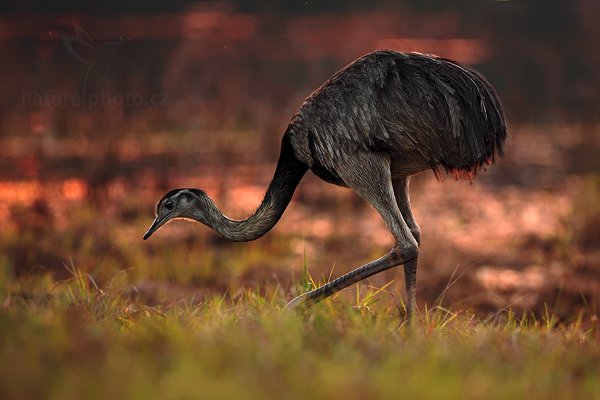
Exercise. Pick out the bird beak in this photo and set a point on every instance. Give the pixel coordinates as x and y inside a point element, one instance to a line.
<point>158,222</point>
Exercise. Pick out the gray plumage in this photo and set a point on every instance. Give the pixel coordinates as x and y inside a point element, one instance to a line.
<point>376,122</point>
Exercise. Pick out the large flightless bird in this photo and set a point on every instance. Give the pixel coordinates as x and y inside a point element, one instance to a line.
<point>370,127</point>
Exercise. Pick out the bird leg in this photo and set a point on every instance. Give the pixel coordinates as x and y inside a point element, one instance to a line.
<point>391,259</point>
<point>369,175</point>
<point>410,267</point>
<point>403,201</point>
<point>410,277</point>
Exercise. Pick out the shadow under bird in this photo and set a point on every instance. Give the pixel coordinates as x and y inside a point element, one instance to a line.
<point>370,127</point>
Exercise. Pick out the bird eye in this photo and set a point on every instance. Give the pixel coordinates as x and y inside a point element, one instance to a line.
<point>169,205</point>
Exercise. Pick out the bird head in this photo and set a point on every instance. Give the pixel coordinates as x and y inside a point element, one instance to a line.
<point>179,204</point>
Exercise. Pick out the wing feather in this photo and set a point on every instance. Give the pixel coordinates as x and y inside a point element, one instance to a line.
<point>433,109</point>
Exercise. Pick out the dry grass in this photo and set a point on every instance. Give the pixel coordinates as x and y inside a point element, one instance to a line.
<point>508,290</point>
<point>79,340</point>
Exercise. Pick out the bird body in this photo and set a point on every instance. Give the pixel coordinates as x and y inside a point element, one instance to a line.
<point>424,112</point>
<point>372,125</point>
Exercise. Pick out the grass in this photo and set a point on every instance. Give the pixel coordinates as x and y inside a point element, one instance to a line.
<point>88,310</point>
<point>75,339</point>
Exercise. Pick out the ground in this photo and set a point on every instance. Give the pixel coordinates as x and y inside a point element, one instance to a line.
<point>508,280</point>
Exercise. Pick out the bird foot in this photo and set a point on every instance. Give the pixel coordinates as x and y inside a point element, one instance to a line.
<point>296,302</point>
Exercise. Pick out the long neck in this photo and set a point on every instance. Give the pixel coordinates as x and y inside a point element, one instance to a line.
<point>287,175</point>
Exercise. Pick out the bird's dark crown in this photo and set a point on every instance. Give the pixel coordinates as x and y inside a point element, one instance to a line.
<point>177,193</point>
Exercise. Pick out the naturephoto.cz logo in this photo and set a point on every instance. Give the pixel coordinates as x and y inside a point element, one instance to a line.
<point>101,99</point>
<point>98,58</point>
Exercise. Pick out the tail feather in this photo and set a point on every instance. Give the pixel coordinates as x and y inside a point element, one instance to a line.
<point>478,124</point>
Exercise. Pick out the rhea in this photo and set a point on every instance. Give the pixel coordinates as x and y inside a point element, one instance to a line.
<point>381,119</point>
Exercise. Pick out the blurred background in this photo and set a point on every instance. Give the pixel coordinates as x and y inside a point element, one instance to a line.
<point>106,105</point>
